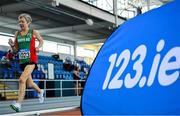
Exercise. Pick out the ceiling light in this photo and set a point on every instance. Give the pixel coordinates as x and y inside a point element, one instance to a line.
<point>89,22</point>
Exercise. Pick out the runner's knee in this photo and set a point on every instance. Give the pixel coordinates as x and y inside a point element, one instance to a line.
<point>22,81</point>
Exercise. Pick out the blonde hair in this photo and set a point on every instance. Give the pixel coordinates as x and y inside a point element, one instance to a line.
<point>26,16</point>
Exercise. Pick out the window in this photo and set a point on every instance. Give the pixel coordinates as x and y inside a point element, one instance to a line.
<point>50,46</point>
<point>85,52</point>
<point>37,43</point>
<point>65,49</point>
<point>4,40</point>
<point>89,53</point>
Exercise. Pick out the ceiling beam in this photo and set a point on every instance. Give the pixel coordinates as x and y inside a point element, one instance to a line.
<point>74,38</point>
<point>15,7</point>
<point>7,25</point>
<point>71,28</point>
<point>12,23</point>
<point>90,10</point>
<point>62,37</point>
<point>90,41</point>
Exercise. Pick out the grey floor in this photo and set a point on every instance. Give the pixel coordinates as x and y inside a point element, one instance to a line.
<point>34,105</point>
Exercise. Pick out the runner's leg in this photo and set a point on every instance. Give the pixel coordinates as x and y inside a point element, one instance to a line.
<point>22,82</point>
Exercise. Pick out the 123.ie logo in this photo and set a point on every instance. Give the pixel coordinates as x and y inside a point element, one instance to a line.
<point>140,54</point>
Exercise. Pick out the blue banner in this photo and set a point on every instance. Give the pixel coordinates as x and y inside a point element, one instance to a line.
<point>137,70</point>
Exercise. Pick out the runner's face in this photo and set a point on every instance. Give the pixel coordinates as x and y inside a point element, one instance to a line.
<point>23,23</point>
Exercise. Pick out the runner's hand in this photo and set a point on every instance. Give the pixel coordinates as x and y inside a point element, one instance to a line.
<point>11,43</point>
<point>37,49</point>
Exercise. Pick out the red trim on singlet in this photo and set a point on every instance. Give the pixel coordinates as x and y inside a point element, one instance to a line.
<point>33,55</point>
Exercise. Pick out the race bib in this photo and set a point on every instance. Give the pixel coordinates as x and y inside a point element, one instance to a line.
<point>24,54</point>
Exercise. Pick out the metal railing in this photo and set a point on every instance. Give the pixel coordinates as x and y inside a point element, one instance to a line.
<point>57,86</point>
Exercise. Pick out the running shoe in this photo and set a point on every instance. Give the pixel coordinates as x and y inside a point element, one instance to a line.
<point>41,96</point>
<point>16,106</point>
